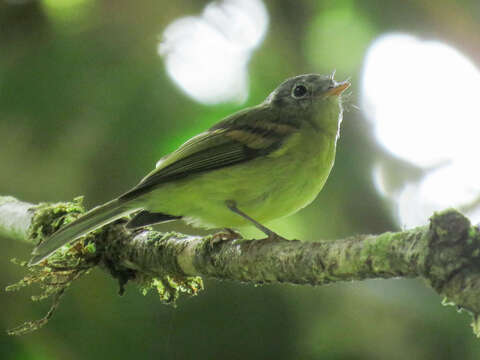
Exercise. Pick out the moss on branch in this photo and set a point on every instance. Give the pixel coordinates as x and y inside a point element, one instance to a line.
<point>445,253</point>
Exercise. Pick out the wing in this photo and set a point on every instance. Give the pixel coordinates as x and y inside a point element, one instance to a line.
<point>241,137</point>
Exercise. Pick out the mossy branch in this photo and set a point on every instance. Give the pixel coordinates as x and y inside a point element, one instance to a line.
<point>445,253</point>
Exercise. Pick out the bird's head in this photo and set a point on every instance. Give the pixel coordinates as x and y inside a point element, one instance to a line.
<point>312,97</point>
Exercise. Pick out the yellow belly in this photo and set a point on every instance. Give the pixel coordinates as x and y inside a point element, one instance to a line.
<point>265,188</point>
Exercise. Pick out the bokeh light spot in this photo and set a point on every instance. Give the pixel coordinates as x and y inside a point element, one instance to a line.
<point>420,97</point>
<point>207,56</point>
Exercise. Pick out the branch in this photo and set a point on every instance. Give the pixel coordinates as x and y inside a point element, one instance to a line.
<point>444,253</point>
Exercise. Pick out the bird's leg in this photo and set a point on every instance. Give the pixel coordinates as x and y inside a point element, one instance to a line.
<point>233,207</point>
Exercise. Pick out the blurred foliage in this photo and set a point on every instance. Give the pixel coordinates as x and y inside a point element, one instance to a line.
<point>87,109</point>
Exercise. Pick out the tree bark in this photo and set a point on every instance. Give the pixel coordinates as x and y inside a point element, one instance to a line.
<point>445,253</point>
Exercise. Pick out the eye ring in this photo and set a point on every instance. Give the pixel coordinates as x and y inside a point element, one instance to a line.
<point>299,91</point>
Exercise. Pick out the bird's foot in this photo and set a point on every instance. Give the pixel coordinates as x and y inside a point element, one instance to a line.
<point>226,234</point>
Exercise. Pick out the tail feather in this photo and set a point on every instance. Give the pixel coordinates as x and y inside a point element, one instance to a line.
<point>92,220</point>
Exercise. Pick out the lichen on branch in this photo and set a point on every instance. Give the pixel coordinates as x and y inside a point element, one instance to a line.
<point>54,275</point>
<point>445,253</point>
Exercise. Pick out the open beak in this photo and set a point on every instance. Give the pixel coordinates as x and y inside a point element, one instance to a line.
<point>338,89</point>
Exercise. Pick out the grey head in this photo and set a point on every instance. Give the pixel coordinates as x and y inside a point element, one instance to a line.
<point>312,97</point>
<point>303,90</point>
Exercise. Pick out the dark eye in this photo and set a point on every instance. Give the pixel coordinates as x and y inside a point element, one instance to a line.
<point>299,91</point>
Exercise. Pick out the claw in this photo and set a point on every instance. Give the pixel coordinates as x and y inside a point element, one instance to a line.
<point>226,234</point>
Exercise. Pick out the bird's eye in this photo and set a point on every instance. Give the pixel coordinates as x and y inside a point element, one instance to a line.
<point>299,91</point>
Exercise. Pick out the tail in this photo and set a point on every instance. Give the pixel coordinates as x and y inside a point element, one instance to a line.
<point>95,218</point>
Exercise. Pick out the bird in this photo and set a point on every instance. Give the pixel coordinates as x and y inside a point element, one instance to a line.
<point>258,164</point>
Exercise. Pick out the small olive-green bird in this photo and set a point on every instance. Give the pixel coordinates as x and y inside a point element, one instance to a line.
<point>259,164</point>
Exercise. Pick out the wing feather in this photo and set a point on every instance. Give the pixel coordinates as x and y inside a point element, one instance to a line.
<point>241,137</point>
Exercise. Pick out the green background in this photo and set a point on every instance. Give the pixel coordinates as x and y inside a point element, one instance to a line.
<point>86,108</point>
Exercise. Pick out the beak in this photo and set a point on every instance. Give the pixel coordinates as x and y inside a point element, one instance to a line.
<point>338,89</point>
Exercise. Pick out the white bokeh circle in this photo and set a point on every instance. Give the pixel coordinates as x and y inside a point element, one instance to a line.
<point>207,55</point>
<point>421,99</point>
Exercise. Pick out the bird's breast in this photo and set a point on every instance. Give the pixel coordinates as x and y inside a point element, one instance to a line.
<point>304,166</point>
